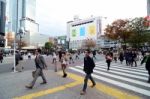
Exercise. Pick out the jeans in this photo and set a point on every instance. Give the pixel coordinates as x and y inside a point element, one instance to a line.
<point>88,76</point>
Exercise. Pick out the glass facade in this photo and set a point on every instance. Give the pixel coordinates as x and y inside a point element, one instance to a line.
<point>30,9</point>
<point>2,17</point>
<point>2,22</point>
<point>148,7</point>
<point>20,9</point>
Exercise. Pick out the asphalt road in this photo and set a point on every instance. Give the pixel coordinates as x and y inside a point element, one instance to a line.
<point>28,64</point>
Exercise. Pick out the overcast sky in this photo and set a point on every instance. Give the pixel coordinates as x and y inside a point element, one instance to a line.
<point>52,15</point>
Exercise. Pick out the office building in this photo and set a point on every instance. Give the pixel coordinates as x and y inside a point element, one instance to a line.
<point>22,14</point>
<point>148,7</point>
<point>2,22</point>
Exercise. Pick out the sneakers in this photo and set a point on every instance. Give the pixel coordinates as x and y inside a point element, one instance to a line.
<point>93,85</point>
<point>82,93</point>
<point>64,76</point>
<point>29,87</point>
<point>43,83</point>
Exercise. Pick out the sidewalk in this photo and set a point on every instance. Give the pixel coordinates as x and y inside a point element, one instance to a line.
<point>12,85</point>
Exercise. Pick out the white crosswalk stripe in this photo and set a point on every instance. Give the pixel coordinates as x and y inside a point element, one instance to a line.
<point>133,79</point>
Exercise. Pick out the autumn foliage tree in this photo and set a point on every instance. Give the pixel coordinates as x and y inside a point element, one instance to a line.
<point>89,43</point>
<point>128,31</point>
<point>138,28</point>
<point>118,30</point>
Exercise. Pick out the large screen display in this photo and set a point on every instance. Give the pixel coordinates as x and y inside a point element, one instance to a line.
<point>84,30</point>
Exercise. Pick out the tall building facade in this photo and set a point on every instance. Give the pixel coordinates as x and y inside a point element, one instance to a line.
<point>148,7</point>
<point>22,14</point>
<point>2,21</point>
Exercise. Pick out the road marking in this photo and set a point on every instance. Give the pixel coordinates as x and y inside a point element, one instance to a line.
<point>119,94</point>
<point>49,91</point>
<point>123,74</point>
<point>123,70</point>
<point>121,66</point>
<point>120,77</point>
<point>117,83</point>
<point>79,80</point>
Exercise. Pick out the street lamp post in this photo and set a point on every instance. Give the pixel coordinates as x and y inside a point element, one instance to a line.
<point>21,31</point>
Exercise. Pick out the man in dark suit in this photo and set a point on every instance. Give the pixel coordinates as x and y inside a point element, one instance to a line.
<point>88,69</point>
<point>40,65</point>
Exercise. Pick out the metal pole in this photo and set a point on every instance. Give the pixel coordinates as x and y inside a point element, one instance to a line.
<point>15,39</point>
<point>14,53</point>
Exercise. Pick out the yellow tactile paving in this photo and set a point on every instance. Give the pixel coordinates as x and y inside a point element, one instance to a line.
<point>118,94</point>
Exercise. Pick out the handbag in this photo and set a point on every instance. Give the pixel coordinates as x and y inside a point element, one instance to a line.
<point>33,74</point>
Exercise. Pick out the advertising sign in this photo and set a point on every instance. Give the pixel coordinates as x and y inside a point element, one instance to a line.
<point>83,30</point>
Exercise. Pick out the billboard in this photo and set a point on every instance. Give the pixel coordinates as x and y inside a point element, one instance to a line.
<point>86,29</point>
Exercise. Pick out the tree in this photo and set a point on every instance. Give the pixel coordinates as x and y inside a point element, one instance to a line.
<point>137,27</point>
<point>118,30</point>
<point>89,43</point>
<point>48,45</point>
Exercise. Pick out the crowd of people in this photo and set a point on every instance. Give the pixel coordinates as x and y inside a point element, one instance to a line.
<point>129,57</point>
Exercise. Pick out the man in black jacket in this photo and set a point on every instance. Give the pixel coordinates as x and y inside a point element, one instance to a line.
<point>146,60</point>
<point>88,69</point>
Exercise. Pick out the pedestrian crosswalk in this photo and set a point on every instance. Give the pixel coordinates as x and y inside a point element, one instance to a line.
<point>126,77</point>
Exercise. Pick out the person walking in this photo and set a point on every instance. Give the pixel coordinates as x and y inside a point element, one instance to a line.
<point>55,60</point>
<point>54,57</point>
<point>134,58</point>
<point>115,56</point>
<point>64,64</point>
<point>77,55</point>
<point>71,58</point>
<point>121,57</point>
<point>88,69</point>
<point>60,55</point>
<point>17,59</point>
<point>1,56</point>
<point>94,54</point>
<point>126,55</point>
<point>29,55</point>
<point>108,60</point>
<point>146,60</point>
<point>40,65</point>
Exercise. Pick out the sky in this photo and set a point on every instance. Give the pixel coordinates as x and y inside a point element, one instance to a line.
<point>52,15</point>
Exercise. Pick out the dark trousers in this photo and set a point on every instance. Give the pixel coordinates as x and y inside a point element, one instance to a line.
<point>88,76</point>
<point>54,60</point>
<point>134,61</point>
<point>149,75</point>
<point>108,64</point>
<point>38,72</point>
<point>71,59</point>
<point>1,60</point>
<point>94,56</point>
